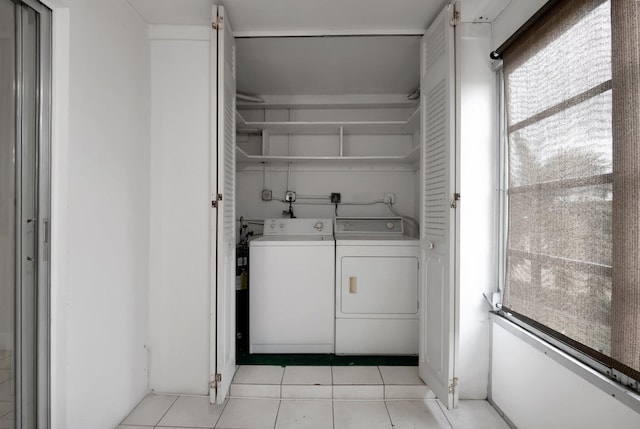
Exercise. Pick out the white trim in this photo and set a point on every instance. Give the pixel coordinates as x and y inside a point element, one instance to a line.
<point>179,32</point>
<point>502,414</point>
<point>201,32</point>
<point>344,101</point>
<point>59,209</point>
<point>595,378</point>
<point>329,167</point>
<point>325,32</point>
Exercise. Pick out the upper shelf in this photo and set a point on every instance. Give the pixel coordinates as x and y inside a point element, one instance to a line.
<point>409,126</point>
<point>410,158</point>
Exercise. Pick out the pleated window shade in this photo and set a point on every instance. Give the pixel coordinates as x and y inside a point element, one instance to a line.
<point>566,135</point>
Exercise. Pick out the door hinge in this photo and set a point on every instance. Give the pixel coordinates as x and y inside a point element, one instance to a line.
<point>215,383</point>
<point>455,19</point>
<point>452,385</point>
<point>217,23</point>
<point>214,203</point>
<point>454,202</point>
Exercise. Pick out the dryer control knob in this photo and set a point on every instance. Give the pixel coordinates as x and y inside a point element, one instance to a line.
<point>319,226</point>
<point>273,225</point>
<point>281,225</point>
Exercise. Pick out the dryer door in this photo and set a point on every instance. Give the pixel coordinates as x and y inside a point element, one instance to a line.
<point>379,285</point>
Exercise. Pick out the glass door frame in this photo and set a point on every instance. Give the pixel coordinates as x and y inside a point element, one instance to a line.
<point>40,327</point>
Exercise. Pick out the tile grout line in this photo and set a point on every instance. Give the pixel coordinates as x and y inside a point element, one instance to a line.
<point>280,388</point>
<point>386,407</point>
<point>332,394</point>
<point>384,386</point>
<point>165,413</point>
<point>224,407</point>
<point>333,410</point>
<point>443,413</point>
<point>333,401</point>
<point>275,422</point>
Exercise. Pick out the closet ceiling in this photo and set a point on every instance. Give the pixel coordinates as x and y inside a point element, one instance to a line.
<point>328,65</point>
<point>322,65</point>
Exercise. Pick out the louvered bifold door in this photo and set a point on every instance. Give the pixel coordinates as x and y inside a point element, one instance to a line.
<point>223,359</point>
<point>438,148</point>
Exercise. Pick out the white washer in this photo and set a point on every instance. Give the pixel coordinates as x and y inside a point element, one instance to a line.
<point>377,277</point>
<point>291,287</point>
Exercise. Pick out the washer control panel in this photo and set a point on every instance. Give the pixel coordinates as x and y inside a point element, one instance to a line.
<point>298,227</point>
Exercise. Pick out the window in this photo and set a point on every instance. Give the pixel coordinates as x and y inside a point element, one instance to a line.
<point>572,253</point>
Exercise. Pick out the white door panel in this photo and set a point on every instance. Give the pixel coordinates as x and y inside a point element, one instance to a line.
<point>223,95</point>
<point>434,274</point>
<point>438,234</point>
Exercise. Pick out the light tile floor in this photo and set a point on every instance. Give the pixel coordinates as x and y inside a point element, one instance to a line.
<point>186,412</point>
<point>326,382</point>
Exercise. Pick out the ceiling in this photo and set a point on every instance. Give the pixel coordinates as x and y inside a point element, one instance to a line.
<point>261,17</point>
<point>321,65</point>
<point>328,65</point>
<point>304,17</point>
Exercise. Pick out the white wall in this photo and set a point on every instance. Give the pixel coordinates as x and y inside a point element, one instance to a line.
<point>535,391</point>
<point>512,17</point>
<point>180,209</point>
<point>478,154</point>
<point>356,184</point>
<point>100,234</point>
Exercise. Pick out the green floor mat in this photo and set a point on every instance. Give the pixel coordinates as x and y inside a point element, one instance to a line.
<point>324,360</point>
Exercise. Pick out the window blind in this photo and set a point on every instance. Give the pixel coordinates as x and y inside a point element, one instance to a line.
<point>572,162</point>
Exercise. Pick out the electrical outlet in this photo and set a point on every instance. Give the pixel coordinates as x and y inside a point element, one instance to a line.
<point>266,195</point>
<point>389,198</point>
<point>335,197</point>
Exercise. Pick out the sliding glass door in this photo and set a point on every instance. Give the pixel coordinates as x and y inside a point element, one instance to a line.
<point>24,213</point>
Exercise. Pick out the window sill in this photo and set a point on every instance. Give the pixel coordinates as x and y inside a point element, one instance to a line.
<point>622,393</point>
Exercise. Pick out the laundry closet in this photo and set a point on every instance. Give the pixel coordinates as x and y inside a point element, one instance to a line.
<point>325,123</point>
<point>327,128</point>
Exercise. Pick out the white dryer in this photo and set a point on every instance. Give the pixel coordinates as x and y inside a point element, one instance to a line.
<point>291,287</point>
<point>377,278</point>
